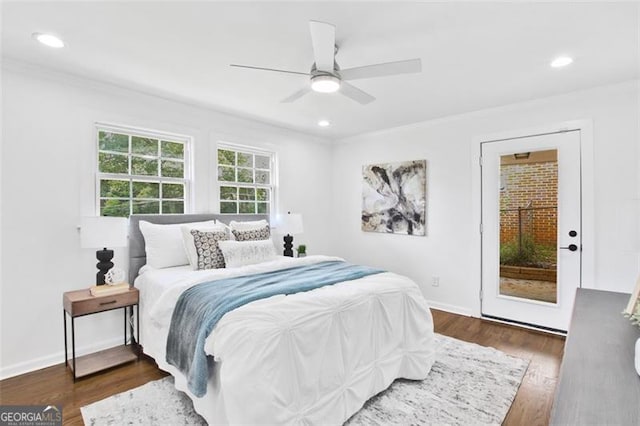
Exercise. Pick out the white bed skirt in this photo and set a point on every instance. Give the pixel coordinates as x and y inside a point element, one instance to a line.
<point>309,358</point>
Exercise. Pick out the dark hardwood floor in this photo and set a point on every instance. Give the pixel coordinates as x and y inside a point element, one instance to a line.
<point>55,386</point>
<point>532,405</point>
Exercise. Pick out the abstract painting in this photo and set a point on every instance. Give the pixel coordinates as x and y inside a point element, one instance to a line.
<point>394,197</point>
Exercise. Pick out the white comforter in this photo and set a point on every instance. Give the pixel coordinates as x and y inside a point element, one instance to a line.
<point>307,358</point>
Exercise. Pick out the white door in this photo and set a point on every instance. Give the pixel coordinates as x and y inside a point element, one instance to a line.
<point>531,228</point>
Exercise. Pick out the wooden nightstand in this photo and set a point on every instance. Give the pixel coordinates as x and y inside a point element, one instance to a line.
<point>80,303</point>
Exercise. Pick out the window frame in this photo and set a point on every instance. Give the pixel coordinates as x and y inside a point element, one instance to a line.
<point>252,150</point>
<point>132,131</point>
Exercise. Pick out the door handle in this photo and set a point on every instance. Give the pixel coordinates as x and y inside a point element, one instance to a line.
<point>571,247</point>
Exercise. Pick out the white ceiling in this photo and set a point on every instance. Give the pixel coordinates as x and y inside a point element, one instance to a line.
<point>474,55</point>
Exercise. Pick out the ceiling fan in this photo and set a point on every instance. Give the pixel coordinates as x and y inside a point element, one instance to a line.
<point>327,77</point>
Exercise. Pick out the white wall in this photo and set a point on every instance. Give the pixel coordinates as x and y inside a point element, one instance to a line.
<point>48,183</point>
<point>449,250</point>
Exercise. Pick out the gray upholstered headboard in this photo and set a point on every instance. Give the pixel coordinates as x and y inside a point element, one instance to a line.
<point>137,254</point>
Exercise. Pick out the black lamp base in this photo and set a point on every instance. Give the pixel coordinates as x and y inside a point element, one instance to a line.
<point>288,245</point>
<point>104,256</point>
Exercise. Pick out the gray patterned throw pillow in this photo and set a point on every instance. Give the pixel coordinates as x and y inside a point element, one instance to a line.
<point>209,254</point>
<point>253,234</point>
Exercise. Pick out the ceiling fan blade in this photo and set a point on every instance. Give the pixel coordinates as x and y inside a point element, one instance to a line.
<point>268,69</point>
<point>356,94</point>
<point>380,70</point>
<point>323,38</point>
<point>296,95</point>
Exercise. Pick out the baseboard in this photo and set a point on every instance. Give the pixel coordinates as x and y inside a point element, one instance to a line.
<point>450,308</point>
<point>53,359</point>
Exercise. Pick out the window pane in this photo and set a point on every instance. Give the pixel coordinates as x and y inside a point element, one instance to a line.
<point>146,207</point>
<point>146,190</point>
<point>247,207</point>
<point>247,193</point>
<point>263,162</point>
<point>244,169</point>
<point>262,194</point>
<point>245,160</point>
<point>172,169</point>
<point>113,163</point>
<point>114,188</point>
<point>172,190</point>
<point>108,141</point>
<point>262,176</point>
<point>144,146</point>
<point>114,208</point>
<point>148,173</point>
<point>226,157</point>
<point>228,207</point>
<point>228,193</point>
<point>245,175</point>
<point>172,149</point>
<point>226,174</point>
<point>142,166</point>
<point>172,207</point>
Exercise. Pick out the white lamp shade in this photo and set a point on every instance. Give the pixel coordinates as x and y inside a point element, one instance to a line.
<point>290,224</point>
<point>102,232</point>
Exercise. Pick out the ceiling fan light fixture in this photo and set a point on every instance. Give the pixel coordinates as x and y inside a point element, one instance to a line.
<point>49,40</point>
<point>325,83</point>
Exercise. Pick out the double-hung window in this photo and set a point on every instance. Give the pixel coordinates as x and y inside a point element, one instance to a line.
<point>141,172</point>
<point>245,180</point>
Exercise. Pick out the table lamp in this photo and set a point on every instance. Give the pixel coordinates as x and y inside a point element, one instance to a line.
<point>101,231</point>
<point>290,224</point>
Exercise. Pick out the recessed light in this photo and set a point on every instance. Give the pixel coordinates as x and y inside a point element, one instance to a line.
<point>561,61</point>
<point>49,40</point>
<point>323,123</point>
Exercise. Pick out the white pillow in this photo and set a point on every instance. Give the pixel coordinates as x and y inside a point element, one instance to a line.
<point>189,244</point>
<point>249,225</point>
<point>164,245</point>
<point>240,253</point>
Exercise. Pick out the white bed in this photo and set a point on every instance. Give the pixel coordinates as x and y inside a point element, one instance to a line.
<point>308,358</point>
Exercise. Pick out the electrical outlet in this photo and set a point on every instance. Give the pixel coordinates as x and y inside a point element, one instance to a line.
<point>435,281</point>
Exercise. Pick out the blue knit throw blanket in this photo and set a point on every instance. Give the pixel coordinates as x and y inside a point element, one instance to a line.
<point>200,308</point>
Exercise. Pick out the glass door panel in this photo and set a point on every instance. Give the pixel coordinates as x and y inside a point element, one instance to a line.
<point>529,225</point>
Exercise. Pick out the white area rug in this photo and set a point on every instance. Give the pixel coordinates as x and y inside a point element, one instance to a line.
<point>468,384</point>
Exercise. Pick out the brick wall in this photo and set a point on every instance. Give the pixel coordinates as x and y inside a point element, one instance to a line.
<point>529,185</point>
